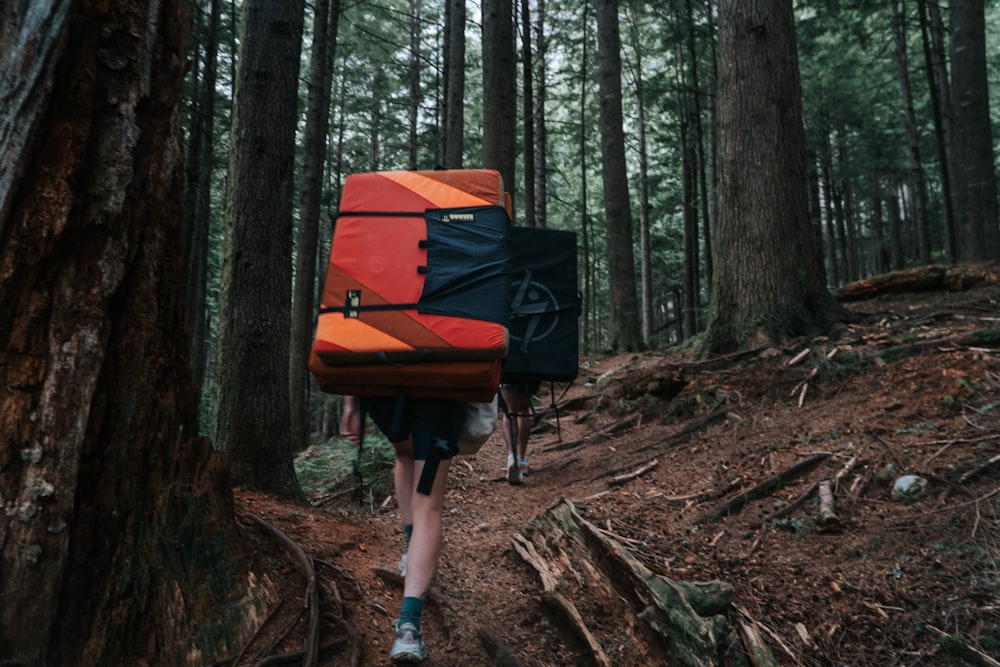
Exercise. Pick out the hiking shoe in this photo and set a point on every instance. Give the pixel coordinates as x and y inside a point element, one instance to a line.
<point>402,565</point>
<point>523,465</point>
<point>408,647</point>
<point>514,474</point>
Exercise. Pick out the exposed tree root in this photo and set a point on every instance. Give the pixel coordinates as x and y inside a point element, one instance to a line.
<point>499,653</point>
<point>311,595</point>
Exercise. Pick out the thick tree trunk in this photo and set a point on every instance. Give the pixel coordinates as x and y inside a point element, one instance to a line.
<point>768,281</point>
<point>624,331</point>
<point>499,90</point>
<point>121,547</point>
<point>252,413</point>
<point>975,174</point>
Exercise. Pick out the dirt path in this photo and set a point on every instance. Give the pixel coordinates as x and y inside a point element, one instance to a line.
<point>875,588</point>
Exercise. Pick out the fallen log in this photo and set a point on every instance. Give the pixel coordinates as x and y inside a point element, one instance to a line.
<point>571,554</point>
<point>919,279</point>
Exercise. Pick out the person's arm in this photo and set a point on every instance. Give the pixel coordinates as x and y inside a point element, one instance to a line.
<point>350,420</point>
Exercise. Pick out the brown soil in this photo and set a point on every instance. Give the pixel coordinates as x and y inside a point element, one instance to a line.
<point>879,585</point>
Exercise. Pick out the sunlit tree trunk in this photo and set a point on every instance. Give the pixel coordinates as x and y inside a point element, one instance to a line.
<point>768,283</point>
<point>624,331</point>
<point>251,390</point>
<point>117,513</point>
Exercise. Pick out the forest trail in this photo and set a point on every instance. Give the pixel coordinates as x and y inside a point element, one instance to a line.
<point>704,476</point>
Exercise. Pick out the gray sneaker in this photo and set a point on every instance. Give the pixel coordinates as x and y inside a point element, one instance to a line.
<point>408,647</point>
<point>514,474</point>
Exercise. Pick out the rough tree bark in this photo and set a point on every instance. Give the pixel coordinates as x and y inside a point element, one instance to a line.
<point>310,202</point>
<point>118,545</point>
<point>252,415</point>
<point>624,330</point>
<point>768,281</point>
<point>499,90</point>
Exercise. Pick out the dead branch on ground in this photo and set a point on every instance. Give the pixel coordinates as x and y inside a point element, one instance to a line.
<point>765,488</point>
<point>621,479</point>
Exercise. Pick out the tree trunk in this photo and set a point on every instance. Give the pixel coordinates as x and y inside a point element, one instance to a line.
<point>645,251</point>
<point>826,169</point>
<point>454,87</point>
<point>198,199</point>
<point>623,308</point>
<point>499,90</point>
<point>937,84</point>
<point>917,179</point>
<point>528,117</point>
<point>416,96</point>
<point>251,390</point>
<point>119,543</point>
<point>975,177</point>
<point>322,54</point>
<point>896,253</point>
<point>768,282</point>
<point>690,224</point>
<point>541,133</point>
<point>699,144</point>
<point>589,330</point>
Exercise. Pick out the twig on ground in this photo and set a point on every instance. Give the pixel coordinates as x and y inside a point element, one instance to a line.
<point>638,472</point>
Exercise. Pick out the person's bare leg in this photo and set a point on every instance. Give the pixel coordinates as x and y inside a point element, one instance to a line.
<point>425,545</point>
<point>402,475</point>
<point>523,432</point>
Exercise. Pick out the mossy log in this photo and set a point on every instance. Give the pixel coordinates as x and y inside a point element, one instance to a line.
<point>919,279</point>
<point>605,584</point>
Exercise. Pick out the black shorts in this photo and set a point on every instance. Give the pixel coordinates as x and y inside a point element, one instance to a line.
<point>433,424</point>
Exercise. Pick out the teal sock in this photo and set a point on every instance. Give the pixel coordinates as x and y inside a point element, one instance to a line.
<point>411,611</point>
<point>408,532</point>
